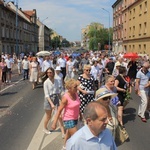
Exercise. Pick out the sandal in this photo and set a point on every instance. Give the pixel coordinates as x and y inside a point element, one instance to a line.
<point>144,120</point>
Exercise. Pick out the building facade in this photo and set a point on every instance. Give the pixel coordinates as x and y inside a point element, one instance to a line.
<point>136,25</point>
<point>43,36</point>
<point>117,44</point>
<point>18,30</point>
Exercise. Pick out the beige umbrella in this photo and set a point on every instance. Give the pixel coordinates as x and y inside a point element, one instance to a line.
<point>43,53</point>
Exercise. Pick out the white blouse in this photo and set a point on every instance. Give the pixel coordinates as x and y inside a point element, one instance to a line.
<point>50,88</point>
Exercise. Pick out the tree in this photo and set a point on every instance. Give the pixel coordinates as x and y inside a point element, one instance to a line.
<point>55,42</point>
<point>65,43</point>
<point>98,36</point>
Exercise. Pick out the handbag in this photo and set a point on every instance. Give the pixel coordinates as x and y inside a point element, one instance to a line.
<point>55,99</point>
<point>121,135</point>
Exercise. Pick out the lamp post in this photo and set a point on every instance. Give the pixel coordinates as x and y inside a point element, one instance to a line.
<point>108,25</point>
<point>16,27</point>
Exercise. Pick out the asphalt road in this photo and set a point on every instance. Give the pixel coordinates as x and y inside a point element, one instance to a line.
<point>21,122</point>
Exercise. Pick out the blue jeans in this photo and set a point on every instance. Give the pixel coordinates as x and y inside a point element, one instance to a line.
<point>25,73</point>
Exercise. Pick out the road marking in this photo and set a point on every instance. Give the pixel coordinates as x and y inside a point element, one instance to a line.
<point>9,108</point>
<point>40,140</point>
<point>11,85</point>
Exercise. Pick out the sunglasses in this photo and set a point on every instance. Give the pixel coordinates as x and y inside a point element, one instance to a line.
<point>88,70</point>
<point>107,98</point>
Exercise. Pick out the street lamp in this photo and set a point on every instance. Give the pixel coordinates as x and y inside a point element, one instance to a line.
<point>44,19</point>
<point>109,25</point>
<point>16,27</point>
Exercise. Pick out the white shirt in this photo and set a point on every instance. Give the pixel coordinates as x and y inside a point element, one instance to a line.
<point>95,71</point>
<point>25,64</point>
<point>59,77</point>
<point>50,88</point>
<point>61,62</point>
<point>46,64</point>
<point>8,63</point>
<point>70,65</point>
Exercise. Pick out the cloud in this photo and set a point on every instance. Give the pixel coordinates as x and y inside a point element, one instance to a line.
<point>67,17</point>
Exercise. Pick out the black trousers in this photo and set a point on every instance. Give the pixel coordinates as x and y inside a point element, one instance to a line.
<point>63,71</point>
<point>3,76</point>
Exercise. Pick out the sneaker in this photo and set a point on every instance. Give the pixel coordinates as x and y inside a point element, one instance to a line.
<point>6,81</point>
<point>63,148</point>
<point>46,131</point>
<point>63,136</point>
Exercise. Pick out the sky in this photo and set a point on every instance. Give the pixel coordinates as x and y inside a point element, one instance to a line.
<point>68,17</point>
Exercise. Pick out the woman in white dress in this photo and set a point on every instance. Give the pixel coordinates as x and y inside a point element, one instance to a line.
<point>19,64</point>
<point>34,71</point>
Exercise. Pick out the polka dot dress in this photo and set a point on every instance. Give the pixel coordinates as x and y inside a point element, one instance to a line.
<point>88,85</point>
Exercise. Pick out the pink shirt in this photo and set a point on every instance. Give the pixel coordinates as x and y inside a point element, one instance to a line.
<point>71,111</point>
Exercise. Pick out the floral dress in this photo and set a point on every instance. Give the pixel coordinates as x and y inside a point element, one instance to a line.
<point>87,85</point>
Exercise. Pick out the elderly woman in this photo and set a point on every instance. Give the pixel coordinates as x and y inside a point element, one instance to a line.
<point>70,103</point>
<point>86,87</point>
<point>104,96</point>
<point>109,85</point>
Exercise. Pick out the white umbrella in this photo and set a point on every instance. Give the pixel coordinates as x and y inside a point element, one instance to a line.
<point>43,53</point>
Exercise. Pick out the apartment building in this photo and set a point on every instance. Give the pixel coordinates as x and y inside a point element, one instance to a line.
<point>117,45</point>
<point>135,25</point>
<point>44,36</point>
<point>18,29</point>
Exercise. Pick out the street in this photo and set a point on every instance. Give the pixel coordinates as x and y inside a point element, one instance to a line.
<point>21,121</point>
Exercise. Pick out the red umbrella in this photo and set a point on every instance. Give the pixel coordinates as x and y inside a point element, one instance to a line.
<point>131,55</point>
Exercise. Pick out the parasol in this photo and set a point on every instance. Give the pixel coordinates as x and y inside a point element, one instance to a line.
<point>131,55</point>
<point>43,53</point>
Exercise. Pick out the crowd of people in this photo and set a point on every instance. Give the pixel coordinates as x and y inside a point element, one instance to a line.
<point>93,88</point>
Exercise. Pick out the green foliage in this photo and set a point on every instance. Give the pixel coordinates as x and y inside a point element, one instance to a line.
<point>65,43</point>
<point>55,42</point>
<point>98,35</point>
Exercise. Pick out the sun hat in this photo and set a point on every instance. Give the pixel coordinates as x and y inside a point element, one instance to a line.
<point>103,92</point>
<point>118,63</point>
<point>58,68</point>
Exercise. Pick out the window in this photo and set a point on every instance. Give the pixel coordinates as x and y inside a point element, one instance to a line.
<point>145,47</point>
<point>125,17</point>
<point>139,47</point>
<point>133,47</point>
<point>125,33</point>
<point>125,3</point>
<point>130,15</point>
<point>133,31</point>
<point>133,13</point>
<point>3,31</point>
<point>140,11</point>
<point>129,32</point>
<point>140,29</point>
<point>145,9</point>
<point>145,27</point>
<point>7,33</point>
<point>129,47</point>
